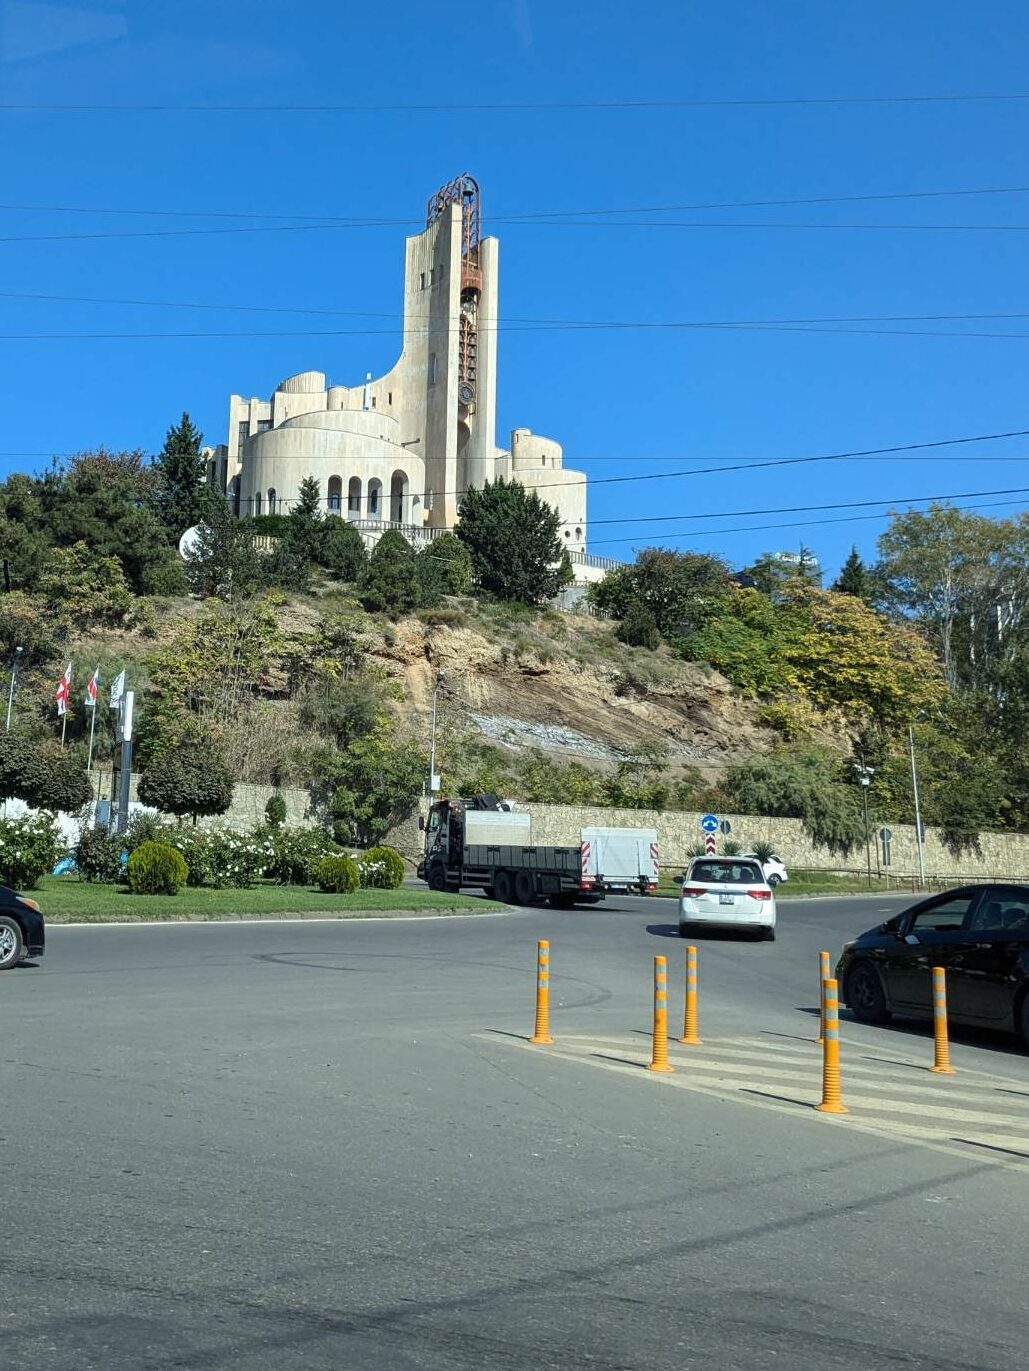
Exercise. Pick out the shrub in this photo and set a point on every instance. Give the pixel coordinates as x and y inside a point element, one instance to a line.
<point>156,869</point>
<point>382,868</point>
<point>338,875</point>
<point>42,773</point>
<point>275,811</point>
<point>293,855</point>
<point>639,627</point>
<point>731,847</point>
<point>29,849</point>
<point>192,777</point>
<point>236,859</point>
<point>194,846</point>
<point>146,827</point>
<point>98,855</point>
<point>763,850</point>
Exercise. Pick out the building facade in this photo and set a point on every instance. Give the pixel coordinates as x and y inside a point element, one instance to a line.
<point>399,450</point>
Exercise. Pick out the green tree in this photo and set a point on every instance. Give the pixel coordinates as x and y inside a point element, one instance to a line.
<point>775,572</point>
<point>305,527</point>
<point>512,536</point>
<point>187,778</point>
<point>678,589</point>
<point>854,578</point>
<point>224,560</point>
<point>444,568</point>
<point>342,550</point>
<point>84,589</point>
<point>43,774</point>
<point>801,783</point>
<point>389,583</point>
<point>378,783</point>
<point>181,471</point>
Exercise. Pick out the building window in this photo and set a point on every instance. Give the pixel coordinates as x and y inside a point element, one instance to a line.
<point>244,431</point>
<point>389,398</point>
<point>374,496</point>
<point>335,498</point>
<point>423,280</point>
<point>263,425</point>
<point>568,532</point>
<point>543,461</point>
<point>373,401</point>
<point>578,534</point>
<point>354,497</point>
<point>257,504</point>
<point>272,501</point>
<point>433,368</point>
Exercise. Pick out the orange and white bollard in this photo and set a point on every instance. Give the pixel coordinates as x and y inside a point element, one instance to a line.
<point>659,1055</point>
<point>832,1097</point>
<point>542,1034</point>
<point>941,1065</point>
<point>824,972</point>
<point>690,1026</point>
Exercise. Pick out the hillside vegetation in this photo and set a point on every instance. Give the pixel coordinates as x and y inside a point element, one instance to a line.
<point>686,684</point>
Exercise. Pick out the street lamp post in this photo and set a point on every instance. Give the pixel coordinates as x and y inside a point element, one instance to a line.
<point>865,774</point>
<point>433,778</point>
<point>10,694</point>
<point>918,808</point>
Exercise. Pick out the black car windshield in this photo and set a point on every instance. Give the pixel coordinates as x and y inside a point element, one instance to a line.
<point>726,872</point>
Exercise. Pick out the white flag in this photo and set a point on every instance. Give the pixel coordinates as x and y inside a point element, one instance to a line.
<point>117,688</point>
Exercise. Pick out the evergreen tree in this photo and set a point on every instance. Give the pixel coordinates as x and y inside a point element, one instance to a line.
<point>224,560</point>
<point>181,473</point>
<point>854,578</point>
<point>342,549</point>
<point>512,536</point>
<point>390,580</point>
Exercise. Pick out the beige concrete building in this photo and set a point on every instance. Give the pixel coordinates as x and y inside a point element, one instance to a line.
<point>399,450</point>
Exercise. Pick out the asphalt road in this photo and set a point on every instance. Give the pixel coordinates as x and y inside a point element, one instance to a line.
<point>327,1145</point>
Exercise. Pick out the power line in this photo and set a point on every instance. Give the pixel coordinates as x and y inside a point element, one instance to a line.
<point>801,523</point>
<point>801,509</point>
<point>569,222</point>
<point>523,216</point>
<point>501,106</point>
<point>511,323</point>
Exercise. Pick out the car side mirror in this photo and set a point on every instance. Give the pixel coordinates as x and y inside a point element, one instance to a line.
<point>890,926</point>
<point>421,823</point>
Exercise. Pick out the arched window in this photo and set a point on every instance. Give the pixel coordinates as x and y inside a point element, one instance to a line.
<point>398,489</point>
<point>374,498</point>
<point>354,497</point>
<point>257,503</point>
<point>578,534</point>
<point>335,494</point>
<point>272,500</point>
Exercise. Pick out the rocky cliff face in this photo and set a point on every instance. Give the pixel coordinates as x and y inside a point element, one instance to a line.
<point>577,693</point>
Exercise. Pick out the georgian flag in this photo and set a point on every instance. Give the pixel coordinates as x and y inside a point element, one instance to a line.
<point>63,693</point>
<point>92,688</point>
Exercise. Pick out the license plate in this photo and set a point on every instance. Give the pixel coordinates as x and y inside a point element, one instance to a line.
<point>727,899</point>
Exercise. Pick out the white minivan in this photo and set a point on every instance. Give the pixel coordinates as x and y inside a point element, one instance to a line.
<point>727,892</point>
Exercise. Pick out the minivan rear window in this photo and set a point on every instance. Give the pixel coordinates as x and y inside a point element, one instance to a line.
<point>726,872</point>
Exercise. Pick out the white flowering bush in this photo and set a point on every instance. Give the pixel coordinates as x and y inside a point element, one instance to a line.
<point>235,859</point>
<point>29,848</point>
<point>294,854</point>
<point>381,868</point>
<point>195,846</point>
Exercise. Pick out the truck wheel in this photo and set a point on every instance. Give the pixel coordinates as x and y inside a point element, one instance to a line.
<point>524,888</point>
<point>436,878</point>
<point>503,887</point>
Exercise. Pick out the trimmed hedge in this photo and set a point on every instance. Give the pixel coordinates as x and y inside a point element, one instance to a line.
<point>338,875</point>
<point>156,869</point>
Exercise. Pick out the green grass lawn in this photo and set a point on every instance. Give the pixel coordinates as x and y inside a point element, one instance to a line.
<point>66,899</point>
<point>819,883</point>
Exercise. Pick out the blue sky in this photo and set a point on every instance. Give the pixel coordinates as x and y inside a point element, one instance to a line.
<point>620,400</point>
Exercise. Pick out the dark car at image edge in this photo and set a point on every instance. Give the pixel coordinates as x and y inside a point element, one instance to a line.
<point>979,934</point>
<point>22,932</point>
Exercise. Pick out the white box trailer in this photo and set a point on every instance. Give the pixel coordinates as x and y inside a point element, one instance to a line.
<point>621,858</point>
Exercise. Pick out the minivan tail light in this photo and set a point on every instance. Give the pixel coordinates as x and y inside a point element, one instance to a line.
<point>690,892</point>
<point>760,894</point>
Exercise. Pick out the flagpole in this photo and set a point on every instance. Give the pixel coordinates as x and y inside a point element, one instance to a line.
<point>64,725</point>
<point>92,730</point>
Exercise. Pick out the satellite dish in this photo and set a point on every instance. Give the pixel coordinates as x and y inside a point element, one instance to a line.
<point>190,542</point>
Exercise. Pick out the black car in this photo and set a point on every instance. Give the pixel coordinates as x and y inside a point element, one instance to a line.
<point>21,928</point>
<point>979,934</point>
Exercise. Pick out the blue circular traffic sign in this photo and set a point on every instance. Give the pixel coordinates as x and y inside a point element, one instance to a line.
<point>709,823</point>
